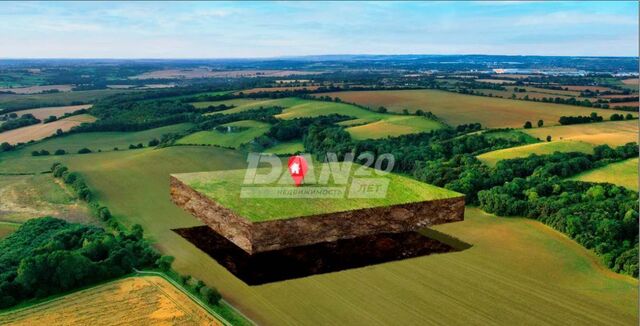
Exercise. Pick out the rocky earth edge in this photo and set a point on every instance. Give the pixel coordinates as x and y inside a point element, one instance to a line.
<point>262,236</point>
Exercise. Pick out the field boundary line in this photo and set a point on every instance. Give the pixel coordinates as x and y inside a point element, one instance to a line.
<point>196,299</point>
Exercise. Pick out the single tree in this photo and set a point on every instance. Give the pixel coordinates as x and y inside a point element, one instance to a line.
<point>164,262</point>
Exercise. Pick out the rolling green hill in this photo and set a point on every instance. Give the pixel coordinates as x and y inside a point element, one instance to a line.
<point>230,138</point>
<point>285,148</point>
<point>366,123</point>
<point>456,109</point>
<point>623,173</point>
<point>491,158</point>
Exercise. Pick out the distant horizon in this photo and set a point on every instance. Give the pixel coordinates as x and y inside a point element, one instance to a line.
<point>258,30</point>
<point>314,55</point>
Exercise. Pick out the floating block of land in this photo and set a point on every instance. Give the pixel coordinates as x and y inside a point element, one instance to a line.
<point>265,217</point>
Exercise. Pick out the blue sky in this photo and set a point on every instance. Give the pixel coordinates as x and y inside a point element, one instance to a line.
<point>268,29</point>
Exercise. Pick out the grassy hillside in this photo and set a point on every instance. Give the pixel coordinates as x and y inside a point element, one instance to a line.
<point>366,123</point>
<point>133,300</point>
<point>491,158</point>
<point>613,133</point>
<point>242,104</point>
<point>456,109</point>
<point>249,130</point>
<point>623,173</point>
<point>225,188</point>
<point>104,141</point>
<point>291,147</point>
<point>393,126</point>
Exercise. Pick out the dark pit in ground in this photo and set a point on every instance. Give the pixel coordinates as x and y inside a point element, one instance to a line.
<point>326,257</point>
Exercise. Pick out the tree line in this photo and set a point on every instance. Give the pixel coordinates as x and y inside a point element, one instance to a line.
<point>24,120</point>
<point>602,217</point>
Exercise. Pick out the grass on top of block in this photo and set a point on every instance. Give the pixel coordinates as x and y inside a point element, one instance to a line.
<point>225,188</point>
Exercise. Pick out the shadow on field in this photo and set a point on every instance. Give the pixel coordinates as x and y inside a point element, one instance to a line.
<point>326,257</point>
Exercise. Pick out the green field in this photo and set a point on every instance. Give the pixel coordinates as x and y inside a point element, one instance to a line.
<point>104,141</point>
<point>456,109</point>
<point>623,173</point>
<point>242,104</point>
<point>11,101</point>
<point>248,131</point>
<point>291,147</point>
<point>532,274</point>
<point>225,188</point>
<point>366,123</point>
<point>491,158</point>
<point>392,127</point>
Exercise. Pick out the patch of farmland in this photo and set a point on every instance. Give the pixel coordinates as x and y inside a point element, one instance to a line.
<point>496,81</point>
<point>623,173</point>
<point>557,92</point>
<point>366,123</point>
<point>37,89</point>
<point>28,101</point>
<point>456,109</point>
<point>96,141</point>
<point>43,130</point>
<point>584,88</point>
<point>491,158</point>
<point>373,124</point>
<point>286,148</point>
<point>226,135</point>
<point>613,133</point>
<point>530,94</point>
<point>241,105</point>
<point>539,274</point>
<point>634,104</point>
<point>514,76</point>
<point>58,111</point>
<point>148,300</point>
<point>617,96</point>
<point>393,126</point>
<point>206,73</point>
<point>30,196</point>
<point>278,89</point>
<point>631,81</point>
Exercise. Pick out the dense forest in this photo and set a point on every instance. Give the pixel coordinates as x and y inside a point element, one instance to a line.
<point>46,256</point>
